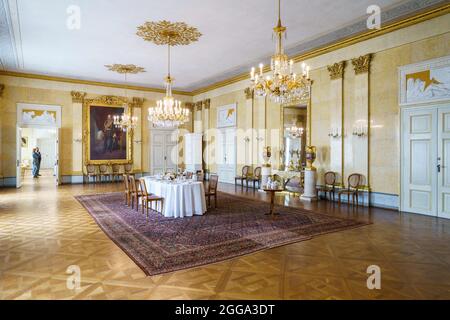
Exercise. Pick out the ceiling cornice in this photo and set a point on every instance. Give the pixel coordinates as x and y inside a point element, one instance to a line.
<point>89,82</point>
<point>415,19</point>
<point>403,23</point>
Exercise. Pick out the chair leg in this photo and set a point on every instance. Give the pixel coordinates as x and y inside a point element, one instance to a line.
<point>215,201</point>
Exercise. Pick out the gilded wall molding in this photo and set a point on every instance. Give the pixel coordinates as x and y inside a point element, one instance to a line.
<point>77,96</point>
<point>337,70</point>
<point>249,93</point>
<point>198,105</point>
<point>115,100</point>
<point>137,102</point>
<point>2,89</point>
<point>362,64</point>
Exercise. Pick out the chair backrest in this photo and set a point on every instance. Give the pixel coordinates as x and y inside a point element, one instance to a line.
<point>115,168</point>
<point>200,175</point>
<point>143,186</point>
<point>133,186</point>
<point>330,178</point>
<point>354,181</point>
<point>128,168</point>
<point>189,175</point>
<point>90,168</point>
<point>126,182</point>
<point>213,181</point>
<point>257,172</point>
<point>245,170</point>
<point>103,168</point>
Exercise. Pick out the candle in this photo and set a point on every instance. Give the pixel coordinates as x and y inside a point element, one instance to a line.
<point>261,69</point>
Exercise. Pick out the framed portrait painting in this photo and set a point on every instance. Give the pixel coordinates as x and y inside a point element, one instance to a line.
<point>104,142</point>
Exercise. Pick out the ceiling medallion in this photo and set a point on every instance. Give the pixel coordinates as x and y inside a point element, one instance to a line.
<point>283,85</point>
<point>125,68</point>
<point>126,121</point>
<point>168,33</point>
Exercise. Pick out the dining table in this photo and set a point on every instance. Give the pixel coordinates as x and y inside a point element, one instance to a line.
<point>182,198</point>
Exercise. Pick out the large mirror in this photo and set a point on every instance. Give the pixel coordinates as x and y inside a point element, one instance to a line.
<point>294,137</point>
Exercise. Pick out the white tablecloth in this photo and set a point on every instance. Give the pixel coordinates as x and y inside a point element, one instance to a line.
<point>181,199</point>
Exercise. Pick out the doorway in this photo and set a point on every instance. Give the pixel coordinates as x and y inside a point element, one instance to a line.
<point>226,154</point>
<point>47,140</point>
<point>425,161</point>
<point>163,151</point>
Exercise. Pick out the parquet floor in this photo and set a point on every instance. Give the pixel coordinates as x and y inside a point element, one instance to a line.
<point>44,230</point>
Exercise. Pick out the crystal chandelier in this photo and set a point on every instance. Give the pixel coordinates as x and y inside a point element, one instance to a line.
<point>295,132</point>
<point>125,121</point>
<point>283,86</point>
<point>168,111</point>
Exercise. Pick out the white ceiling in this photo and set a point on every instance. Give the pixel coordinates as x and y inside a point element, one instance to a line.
<point>236,34</point>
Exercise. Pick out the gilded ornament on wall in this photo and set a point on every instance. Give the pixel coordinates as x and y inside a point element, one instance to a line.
<point>77,96</point>
<point>337,70</point>
<point>125,68</point>
<point>168,33</point>
<point>249,93</point>
<point>362,64</point>
<point>2,88</point>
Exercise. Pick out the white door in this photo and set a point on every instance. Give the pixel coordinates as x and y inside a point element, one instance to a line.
<point>163,152</point>
<point>443,192</point>
<point>420,161</point>
<point>56,162</point>
<point>426,161</point>
<point>226,155</point>
<point>18,157</point>
<point>47,148</point>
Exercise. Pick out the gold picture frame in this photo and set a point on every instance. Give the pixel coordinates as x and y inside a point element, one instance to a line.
<point>105,102</point>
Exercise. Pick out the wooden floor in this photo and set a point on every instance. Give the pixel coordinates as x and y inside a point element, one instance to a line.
<point>44,230</point>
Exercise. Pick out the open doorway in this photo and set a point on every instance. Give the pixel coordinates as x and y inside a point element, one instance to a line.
<point>46,140</point>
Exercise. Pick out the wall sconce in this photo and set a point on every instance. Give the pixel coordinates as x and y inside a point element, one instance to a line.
<point>247,139</point>
<point>359,130</point>
<point>138,141</point>
<point>79,140</point>
<point>335,133</point>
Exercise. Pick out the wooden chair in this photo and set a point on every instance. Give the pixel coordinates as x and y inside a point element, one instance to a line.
<point>294,185</point>
<point>148,198</point>
<point>212,190</point>
<point>91,172</point>
<point>330,185</point>
<point>128,169</point>
<point>200,175</point>
<point>126,183</point>
<point>103,172</point>
<point>256,178</point>
<point>189,175</point>
<point>244,176</point>
<point>115,173</point>
<point>135,192</point>
<point>354,183</point>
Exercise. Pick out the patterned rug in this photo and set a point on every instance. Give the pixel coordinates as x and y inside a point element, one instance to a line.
<point>238,227</point>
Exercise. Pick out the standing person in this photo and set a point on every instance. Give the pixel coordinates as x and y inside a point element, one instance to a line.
<point>35,157</point>
<point>39,161</point>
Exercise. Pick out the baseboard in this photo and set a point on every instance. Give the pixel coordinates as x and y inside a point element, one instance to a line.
<point>377,200</point>
<point>72,179</point>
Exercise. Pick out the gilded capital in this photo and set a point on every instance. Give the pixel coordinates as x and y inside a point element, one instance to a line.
<point>198,105</point>
<point>337,70</point>
<point>137,102</point>
<point>78,97</point>
<point>2,88</point>
<point>362,64</point>
<point>189,105</point>
<point>249,93</point>
<point>206,104</point>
